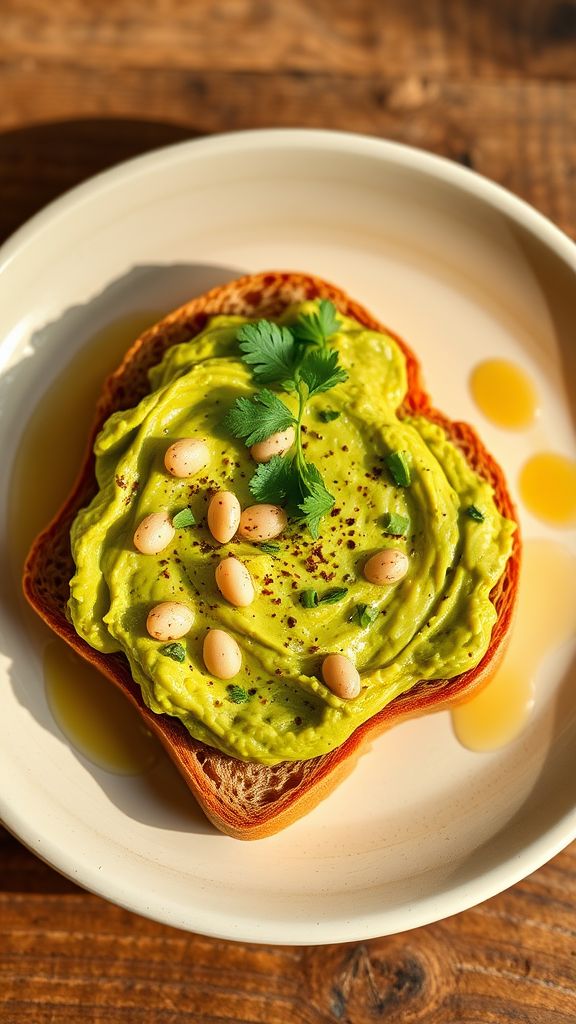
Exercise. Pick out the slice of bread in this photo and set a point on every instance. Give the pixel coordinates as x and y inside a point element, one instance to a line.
<point>244,800</point>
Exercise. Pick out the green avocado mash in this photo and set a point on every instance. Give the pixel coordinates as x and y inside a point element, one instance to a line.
<point>435,623</point>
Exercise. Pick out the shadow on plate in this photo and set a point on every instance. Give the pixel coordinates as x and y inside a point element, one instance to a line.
<point>84,344</point>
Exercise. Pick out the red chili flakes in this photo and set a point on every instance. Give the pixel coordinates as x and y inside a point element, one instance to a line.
<point>120,482</point>
<point>267,592</point>
<point>351,544</point>
<point>313,649</point>
<point>317,552</point>
<point>335,512</point>
<point>327,576</point>
<point>350,521</point>
<point>291,621</point>
<point>276,600</point>
<point>345,448</point>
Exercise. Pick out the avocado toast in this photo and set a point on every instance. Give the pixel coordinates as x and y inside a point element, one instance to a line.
<point>258,763</point>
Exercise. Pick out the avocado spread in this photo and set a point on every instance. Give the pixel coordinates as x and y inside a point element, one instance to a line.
<point>435,623</point>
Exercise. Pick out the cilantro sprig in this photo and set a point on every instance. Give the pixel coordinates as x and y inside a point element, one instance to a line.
<point>299,360</point>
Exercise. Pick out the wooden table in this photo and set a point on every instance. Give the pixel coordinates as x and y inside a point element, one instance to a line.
<point>85,83</point>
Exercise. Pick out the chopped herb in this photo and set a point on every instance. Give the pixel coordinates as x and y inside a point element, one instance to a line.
<point>328,415</point>
<point>396,525</point>
<point>399,468</point>
<point>311,598</point>
<point>475,513</point>
<point>270,549</point>
<point>333,596</point>
<point>237,694</point>
<point>366,614</point>
<point>185,517</point>
<point>175,651</point>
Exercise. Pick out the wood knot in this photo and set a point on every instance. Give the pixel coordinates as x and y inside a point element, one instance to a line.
<point>384,980</point>
<point>374,987</point>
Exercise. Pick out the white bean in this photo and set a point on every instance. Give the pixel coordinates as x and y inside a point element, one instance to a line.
<point>262,522</point>
<point>169,620</point>
<point>222,655</point>
<point>223,516</point>
<point>186,456</point>
<point>341,676</point>
<point>276,444</point>
<point>154,533</point>
<point>387,566</point>
<point>235,582</point>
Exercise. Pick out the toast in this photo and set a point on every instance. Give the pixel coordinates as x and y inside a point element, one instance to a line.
<point>251,800</point>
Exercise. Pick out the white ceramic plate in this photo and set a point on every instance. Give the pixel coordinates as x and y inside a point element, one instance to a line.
<point>423,828</point>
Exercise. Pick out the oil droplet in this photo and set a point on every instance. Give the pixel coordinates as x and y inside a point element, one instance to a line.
<point>548,488</point>
<point>545,618</point>
<point>96,718</point>
<point>504,393</point>
<point>55,435</point>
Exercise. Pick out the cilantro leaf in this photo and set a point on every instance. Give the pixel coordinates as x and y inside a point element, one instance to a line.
<point>237,694</point>
<point>275,482</point>
<point>319,326</point>
<point>185,517</point>
<point>317,500</point>
<point>175,651</point>
<point>269,350</point>
<point>320,370</point>
<point>256,419</point>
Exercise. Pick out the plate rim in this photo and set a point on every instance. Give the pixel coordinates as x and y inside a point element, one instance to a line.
<point>507,872</point>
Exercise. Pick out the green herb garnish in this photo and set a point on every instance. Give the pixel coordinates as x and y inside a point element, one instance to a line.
<point>185,517</point>
<point>270,549</point>
<point>269,350</point>
<point>366,614</point>
<point>396,525</point>
<point>237,694</point>
<point>333,596</point>
<point>475,513</point>
<point>328,415</point>
<point>275,481</point>
<point>175,651</point>
<point>320,371</point>
<point>317,327</point>
<point>256,419</point>
<point>398,468</point>
<point>311,598</point>
<point>278,355</point>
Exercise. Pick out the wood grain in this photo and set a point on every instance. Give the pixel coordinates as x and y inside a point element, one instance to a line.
<point>67,956</point>
<point>85,83</point>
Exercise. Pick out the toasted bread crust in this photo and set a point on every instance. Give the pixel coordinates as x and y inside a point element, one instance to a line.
<point>251,801</point>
